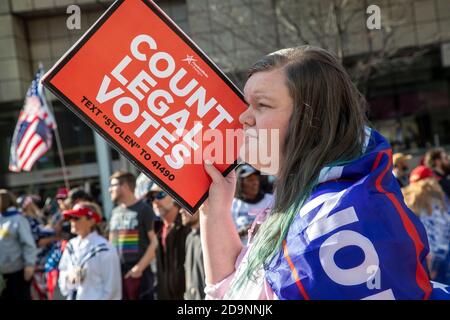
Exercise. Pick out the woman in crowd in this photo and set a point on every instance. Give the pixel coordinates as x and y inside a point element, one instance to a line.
<point>43,237</point>
<point>428,201</point>
<point>17,249</point>
<point>250,199</point>
<point>89,268</point>
<point>339,228</point>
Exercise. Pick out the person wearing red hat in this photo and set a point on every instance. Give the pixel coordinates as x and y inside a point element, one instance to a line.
<point>62,193</point>
<point>426,198</point>
<point>421,173</point>
<point>89,267</point>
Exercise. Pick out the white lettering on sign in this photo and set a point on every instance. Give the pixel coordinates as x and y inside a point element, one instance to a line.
<point>127,90</point>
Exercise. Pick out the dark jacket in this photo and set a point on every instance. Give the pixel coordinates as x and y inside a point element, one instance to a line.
<point>195,271</point>
<point>170,262</point>
<point>444,181</point>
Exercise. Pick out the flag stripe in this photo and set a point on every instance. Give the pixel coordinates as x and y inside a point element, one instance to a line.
<point>35,139</point>
<point>28,134</point>
<point>294,272</point>
<point>37,152</point>
<point>421,275</point>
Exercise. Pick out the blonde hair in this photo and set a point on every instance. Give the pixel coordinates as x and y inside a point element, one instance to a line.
<point>421,195</point>
<point>32,210</point>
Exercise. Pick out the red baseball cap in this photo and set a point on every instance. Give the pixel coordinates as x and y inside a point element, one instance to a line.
<point>81,211</point>
<point>62,193</point>
<point>420,173</point>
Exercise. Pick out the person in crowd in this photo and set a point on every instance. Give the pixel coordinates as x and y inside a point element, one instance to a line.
<point>131,231</point>
<point>65,199</point>
<point>338,228</point>
<point>89,268</point>
<point>56,220</point>
<point>76,195</point>
<point>267,183</point>
<point>171,252</point>
<point>195,271</point>
<point>17,249</point>
<point>63,234</point>
<point>427,200</point>
<point>42,234</point>
<point>61,195</point>
<point>400,162</point>
<point>52,262</point>
<point>249,199</point>
<point>437,160</point>
<point>44,239</point>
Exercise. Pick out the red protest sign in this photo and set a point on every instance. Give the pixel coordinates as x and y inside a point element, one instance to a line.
<point>141,83</point>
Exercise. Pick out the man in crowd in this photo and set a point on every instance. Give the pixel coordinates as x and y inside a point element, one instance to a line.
<point>437,160</point>
<point>401,168</point>
<point>131,231</point>
<point>195,271</point>
<point>171,252</point>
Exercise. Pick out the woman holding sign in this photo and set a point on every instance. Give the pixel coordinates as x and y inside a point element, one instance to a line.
<point>338,228</point>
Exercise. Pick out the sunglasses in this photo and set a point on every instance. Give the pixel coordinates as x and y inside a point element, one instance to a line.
<point>158,195</point>
<point>74,218</point>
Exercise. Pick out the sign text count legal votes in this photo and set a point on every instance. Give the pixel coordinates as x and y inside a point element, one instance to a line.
<point>138,80</point>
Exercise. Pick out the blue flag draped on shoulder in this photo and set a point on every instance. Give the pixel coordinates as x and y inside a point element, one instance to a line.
<point>33,133</point>
<point>355,238</point>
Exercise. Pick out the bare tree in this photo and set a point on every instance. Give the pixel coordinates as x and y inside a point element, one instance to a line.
<point>266,25</point>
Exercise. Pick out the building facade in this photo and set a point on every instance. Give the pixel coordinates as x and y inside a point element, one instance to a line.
<point>403,67</point>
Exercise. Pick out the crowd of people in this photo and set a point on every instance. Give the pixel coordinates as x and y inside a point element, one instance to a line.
<point>426,189</point>
<point>151,247</point>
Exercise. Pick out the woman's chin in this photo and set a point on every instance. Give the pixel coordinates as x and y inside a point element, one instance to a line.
<point>262,160</point>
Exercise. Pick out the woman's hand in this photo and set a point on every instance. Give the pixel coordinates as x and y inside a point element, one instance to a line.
<point>221,191</point>
<point>220,241</point>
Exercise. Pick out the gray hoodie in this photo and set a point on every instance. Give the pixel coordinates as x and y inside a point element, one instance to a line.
<point>17,246</point>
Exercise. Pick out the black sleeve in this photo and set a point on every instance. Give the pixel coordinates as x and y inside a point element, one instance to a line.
<point>147,218</point>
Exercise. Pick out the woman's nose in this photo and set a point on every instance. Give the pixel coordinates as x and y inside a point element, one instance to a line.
<point>247,119</point>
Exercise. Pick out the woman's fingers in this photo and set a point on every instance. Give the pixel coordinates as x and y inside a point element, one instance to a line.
<point>231,176</point>
<point>215,174</point>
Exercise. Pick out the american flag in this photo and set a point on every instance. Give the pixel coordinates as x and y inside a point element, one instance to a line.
<point>33,134</point>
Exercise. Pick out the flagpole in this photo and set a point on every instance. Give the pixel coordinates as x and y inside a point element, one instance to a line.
<point>58,140</point>
<point>59,147</point>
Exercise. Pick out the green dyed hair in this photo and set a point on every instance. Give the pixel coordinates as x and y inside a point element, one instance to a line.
<point>326,128</point>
